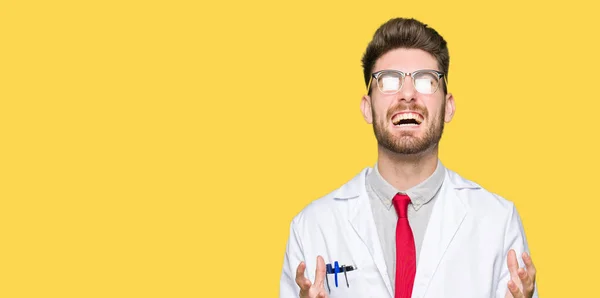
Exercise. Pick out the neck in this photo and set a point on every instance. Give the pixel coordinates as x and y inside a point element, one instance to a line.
<point>404,171</point>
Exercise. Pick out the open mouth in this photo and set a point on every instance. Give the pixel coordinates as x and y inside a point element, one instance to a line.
<point>407,119</point>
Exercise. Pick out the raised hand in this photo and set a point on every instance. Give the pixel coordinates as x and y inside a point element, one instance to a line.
<point>308,289</point>
<point>522,280</point>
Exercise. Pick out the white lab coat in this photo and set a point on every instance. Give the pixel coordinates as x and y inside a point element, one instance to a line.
<point>463,254</point>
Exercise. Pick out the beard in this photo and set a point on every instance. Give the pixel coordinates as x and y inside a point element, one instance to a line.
<point>406,143</point>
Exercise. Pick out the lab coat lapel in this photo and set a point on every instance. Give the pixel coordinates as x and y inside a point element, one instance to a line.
<point>446,218</point>
<point>360,217</point>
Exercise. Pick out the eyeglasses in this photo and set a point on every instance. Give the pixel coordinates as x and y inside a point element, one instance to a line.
<point>426,81</point>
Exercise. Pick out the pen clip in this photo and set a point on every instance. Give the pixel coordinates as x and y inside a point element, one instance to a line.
<point>328,270</point>
<point>336,269</point>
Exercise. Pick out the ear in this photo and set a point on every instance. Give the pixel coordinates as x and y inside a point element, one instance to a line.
<point>450,108</point>
<point>365,107</point>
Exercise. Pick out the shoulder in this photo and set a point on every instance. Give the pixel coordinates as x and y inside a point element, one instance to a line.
<point>478,198</point>
<point>335,202</point>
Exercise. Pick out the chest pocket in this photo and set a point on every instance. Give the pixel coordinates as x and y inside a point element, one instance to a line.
<point>360,282</point>
<point>348,283</point>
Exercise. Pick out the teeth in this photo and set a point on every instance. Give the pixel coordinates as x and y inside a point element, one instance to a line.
<point>404,116</point>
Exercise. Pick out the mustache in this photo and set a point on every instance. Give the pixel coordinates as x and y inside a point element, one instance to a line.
<point>404,107</point>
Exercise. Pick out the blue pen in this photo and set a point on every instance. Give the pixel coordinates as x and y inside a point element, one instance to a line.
<point>336,270</point>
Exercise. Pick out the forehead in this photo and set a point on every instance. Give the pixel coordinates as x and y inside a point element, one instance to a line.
<point>406,60</point>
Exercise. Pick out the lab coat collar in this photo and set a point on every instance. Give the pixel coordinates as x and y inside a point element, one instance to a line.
<point>446,218</point>
<point>361,219</point>
<point>353,188</point>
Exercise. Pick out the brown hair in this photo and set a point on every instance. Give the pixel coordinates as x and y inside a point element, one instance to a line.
<point>406,33</point>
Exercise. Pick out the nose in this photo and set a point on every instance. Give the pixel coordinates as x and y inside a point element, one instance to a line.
<point>408,91</point>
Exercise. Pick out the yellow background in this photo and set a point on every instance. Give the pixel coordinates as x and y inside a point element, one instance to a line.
<point>161,148</point>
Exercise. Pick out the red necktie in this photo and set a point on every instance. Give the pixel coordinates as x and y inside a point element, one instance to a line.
<point>406,260</point>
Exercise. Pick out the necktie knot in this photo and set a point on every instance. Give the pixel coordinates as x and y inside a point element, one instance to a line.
<point>401,202</point>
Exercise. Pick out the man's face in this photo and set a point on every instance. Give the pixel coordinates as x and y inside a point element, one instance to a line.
<point>407,122</point>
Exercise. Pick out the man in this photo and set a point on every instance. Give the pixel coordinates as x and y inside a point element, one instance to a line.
<point>408,227</point>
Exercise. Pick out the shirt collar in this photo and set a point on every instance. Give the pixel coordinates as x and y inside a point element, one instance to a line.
<point>419,194</point>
